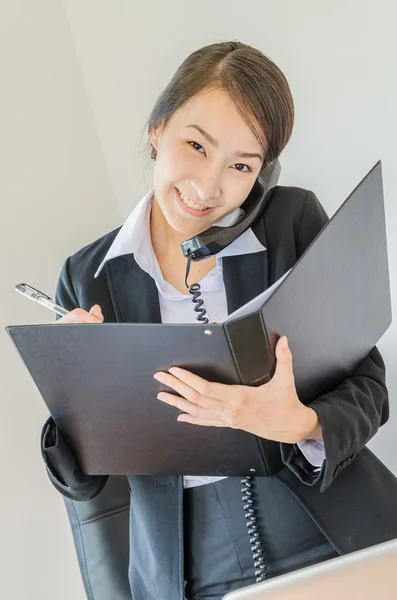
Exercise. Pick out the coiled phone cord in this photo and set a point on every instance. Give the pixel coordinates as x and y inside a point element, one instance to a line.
<point>194,290</point>
<point>253,531</point>
<point>248,482</point>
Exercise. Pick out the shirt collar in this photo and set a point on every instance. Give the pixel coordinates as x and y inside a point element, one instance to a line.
<point>134,236</point>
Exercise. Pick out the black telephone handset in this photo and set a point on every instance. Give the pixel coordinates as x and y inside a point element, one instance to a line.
<point>205,244</point>
<point>213,240</point>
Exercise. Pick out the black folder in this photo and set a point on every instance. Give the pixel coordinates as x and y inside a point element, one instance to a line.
<point>97,380</point>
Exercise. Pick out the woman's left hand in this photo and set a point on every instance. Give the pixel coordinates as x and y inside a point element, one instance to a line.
<point>272,410</point>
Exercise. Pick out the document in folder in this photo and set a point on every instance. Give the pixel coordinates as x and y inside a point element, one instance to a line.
<point>97,380</point>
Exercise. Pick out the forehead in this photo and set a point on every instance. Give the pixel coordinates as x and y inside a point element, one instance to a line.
<point>216,112</point>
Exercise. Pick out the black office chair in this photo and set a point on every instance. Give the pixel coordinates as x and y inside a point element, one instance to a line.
<point>101,535</point>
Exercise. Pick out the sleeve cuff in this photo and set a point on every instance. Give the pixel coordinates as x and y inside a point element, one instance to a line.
<point>295,460</point>
<point>63,469</point>
<point>313,451</point>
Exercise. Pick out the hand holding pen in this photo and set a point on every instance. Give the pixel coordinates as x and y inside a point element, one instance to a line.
<point>77,315</point>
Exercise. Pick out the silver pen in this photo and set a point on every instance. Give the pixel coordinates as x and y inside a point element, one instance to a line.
<point>30,292</point>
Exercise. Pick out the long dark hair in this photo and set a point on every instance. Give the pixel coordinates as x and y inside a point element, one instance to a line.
<point>256,85</point>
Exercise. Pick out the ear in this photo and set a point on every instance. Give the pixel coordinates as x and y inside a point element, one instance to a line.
<point>155,134</point>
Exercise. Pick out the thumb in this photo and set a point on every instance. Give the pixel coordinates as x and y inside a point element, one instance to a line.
<point>96,311</point>
<point>284,358</point>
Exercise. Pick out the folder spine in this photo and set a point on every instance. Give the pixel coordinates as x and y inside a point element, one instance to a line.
<point>250,348</point>
<point>252,353</point>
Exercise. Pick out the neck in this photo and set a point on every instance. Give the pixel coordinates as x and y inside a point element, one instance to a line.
<point>166,246</point>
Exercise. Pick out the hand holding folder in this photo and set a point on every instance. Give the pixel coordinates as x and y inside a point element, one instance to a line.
<point>272,411</point>
<point>333,305</point>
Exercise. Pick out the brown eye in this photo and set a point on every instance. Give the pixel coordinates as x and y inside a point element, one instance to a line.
<point>241,165</point>
<point>238,164</point>
<point>197,144</point>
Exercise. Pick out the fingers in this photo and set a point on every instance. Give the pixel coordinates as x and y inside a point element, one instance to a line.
<point>194,421</point>
<point>79,315</point>
<point>202,386</point>
<point>97,312</point>
<point>188,392</point>
<point>195,410</point>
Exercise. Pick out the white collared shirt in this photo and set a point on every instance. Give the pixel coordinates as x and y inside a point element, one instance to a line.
<point>176,307</point>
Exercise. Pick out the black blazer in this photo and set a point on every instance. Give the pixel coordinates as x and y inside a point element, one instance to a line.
<point>352,498</point>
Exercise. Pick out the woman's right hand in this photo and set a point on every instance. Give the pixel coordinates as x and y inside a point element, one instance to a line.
<point>79,315</point>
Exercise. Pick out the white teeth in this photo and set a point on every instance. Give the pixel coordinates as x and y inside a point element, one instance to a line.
<point>191,203</point>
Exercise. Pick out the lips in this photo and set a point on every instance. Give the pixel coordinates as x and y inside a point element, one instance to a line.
<point>194,202</point>
<point>187,209</point>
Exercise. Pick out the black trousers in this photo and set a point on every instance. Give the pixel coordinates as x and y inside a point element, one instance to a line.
<point>218,557</point>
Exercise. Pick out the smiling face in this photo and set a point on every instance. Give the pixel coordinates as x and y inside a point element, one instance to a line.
<point>200,153</point>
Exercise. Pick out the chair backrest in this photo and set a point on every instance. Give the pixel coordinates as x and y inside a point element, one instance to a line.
<point>101,535</point>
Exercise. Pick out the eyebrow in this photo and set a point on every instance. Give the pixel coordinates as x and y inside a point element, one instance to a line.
<point>215,143</point>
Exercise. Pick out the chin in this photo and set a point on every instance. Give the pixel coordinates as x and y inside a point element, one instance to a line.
<point>182,230</point>
<point>182,226</point>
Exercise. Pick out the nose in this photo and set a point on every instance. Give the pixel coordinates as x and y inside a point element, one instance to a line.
<point>207,187</point>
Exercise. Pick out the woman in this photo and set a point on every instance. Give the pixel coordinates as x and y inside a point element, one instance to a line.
<point>226,114</point>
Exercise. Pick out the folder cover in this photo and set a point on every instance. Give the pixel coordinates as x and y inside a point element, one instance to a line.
<point>97,380</point>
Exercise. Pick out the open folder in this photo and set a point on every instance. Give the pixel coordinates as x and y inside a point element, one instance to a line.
<point>97,380</point>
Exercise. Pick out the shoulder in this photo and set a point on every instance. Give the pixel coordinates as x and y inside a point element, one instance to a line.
<point>84,263</point>
<point>293,203</point>
<point>293,217</point>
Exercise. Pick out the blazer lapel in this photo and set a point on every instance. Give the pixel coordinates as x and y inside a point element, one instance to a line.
<point>133,291</point>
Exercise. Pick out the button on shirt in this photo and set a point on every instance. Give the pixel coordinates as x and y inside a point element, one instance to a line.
<point>176,307</point>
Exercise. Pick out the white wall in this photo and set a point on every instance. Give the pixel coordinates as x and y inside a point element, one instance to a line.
<point>78,82</point>
<point>55,196</point>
